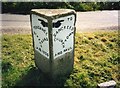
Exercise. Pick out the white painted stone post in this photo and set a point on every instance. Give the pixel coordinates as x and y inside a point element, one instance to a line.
<point>53,32</point>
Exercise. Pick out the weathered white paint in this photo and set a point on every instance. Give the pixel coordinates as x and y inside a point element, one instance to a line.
<point>40,35</point>
<point>63,36</point>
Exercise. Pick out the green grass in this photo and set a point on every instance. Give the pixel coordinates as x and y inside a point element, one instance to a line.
<point>95,61</point>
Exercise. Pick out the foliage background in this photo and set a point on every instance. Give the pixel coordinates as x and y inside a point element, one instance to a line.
<point>25,7</point>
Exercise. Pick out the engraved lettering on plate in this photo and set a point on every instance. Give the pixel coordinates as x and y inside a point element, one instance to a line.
<point>40,35</point>
<point>63,35</point>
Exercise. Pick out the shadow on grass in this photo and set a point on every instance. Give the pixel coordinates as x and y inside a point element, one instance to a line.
<point>35,78</point>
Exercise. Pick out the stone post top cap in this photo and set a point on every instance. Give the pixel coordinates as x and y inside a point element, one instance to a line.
<point>53,12</point>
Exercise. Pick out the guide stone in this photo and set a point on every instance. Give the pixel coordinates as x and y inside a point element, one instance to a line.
<point>53,32</point>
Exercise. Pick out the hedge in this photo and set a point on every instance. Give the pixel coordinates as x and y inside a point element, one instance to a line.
<point>25,7</point>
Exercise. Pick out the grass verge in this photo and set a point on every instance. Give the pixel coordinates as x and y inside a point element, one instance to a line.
<point>95,61</point>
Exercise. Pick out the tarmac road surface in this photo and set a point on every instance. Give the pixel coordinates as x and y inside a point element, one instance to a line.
<point>86,22</point>
<point>98,20</point>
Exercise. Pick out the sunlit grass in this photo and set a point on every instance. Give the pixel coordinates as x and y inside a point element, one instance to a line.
<point>95,61</point>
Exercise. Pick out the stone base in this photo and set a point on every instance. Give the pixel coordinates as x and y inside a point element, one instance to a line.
<point>55,68</point>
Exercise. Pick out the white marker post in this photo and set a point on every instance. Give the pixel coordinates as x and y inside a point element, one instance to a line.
<point>53,32</point>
